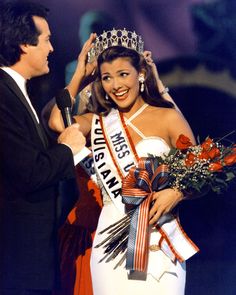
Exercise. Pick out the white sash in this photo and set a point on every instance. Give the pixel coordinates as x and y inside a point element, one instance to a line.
<point>112,152</point>
<point>88,165</point>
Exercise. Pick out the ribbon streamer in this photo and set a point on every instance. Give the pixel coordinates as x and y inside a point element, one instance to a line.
<point>137,190</point>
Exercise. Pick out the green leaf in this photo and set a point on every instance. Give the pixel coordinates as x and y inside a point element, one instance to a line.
<point>230,176</point>
<point>221,181</point>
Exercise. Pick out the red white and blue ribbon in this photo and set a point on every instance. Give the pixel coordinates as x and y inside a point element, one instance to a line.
<point>137,190</point>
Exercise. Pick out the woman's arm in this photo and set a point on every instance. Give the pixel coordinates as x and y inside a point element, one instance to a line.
<point>176,125</point>
<point>165,200</point>
<point>164,91</point>
<point>56,122</point>
<point>83,74</point>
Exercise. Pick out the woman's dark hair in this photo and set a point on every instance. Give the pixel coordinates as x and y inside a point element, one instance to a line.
<point>17,27</point>
<point>150,93</point>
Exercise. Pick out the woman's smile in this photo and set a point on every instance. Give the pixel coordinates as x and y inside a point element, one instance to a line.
<point>121,95</point>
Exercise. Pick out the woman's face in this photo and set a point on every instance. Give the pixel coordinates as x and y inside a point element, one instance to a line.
<point>120,82</point>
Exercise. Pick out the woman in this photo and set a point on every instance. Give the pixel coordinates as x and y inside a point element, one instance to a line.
<point>130,120</point>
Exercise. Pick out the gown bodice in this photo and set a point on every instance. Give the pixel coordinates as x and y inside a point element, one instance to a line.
<point>152,146</point>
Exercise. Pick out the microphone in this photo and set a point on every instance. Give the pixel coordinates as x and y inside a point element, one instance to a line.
<point>63,101</point>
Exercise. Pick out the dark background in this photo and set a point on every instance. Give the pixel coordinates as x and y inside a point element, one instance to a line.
<point>193,43</point>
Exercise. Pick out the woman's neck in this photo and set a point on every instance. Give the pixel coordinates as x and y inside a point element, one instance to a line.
<point>132,109</point>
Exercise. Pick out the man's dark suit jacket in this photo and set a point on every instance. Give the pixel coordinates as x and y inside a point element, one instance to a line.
<point>29,175</point>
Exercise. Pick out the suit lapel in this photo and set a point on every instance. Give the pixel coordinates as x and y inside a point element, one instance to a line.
<point>14,88</point>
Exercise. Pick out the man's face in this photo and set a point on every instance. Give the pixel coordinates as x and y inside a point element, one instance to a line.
<point>37,56</point>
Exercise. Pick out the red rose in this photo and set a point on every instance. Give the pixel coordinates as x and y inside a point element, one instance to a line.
<point>207,144</point>
<point>214,152</point>
<point>204,155</point>
<point>230,159</point>
<point>214,167</point>
<point>209,150</point>
<point>190,159</point>
<point>183,142</point>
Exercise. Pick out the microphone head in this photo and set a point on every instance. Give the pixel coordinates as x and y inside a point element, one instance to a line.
<point>63,99</point>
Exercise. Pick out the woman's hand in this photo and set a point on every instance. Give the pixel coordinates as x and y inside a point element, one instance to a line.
<point>148,57</point>
<point>164,201</point>
<point>84,67</point>
<point>84,73</point>
<point>161,88</point>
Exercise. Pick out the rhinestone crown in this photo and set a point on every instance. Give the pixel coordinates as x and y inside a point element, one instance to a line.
<point>115,37</point>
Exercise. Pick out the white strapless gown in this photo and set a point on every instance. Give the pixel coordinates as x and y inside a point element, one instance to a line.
<point>164,277</point>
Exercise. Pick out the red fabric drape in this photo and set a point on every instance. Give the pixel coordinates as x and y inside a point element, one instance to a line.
<point>75,238</point>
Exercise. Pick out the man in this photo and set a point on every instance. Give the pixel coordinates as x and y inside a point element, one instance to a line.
<point>30,170</point>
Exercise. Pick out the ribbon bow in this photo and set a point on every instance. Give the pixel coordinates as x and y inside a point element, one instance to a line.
<point>137,190</point>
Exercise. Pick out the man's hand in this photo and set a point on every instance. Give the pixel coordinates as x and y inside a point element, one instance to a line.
<point>73,138</point>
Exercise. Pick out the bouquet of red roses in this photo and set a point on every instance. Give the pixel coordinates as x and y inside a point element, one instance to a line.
<point>192,169</point>
<point>198,168</point>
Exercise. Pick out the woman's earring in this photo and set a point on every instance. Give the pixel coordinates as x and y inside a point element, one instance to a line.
<point>141,81</point>
<point>106,97</point>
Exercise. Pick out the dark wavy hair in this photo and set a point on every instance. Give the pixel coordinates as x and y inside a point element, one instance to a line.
<point>150,93</point>
<point>17,27</point>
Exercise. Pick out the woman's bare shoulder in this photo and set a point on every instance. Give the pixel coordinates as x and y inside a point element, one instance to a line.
<point>164,113</point>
